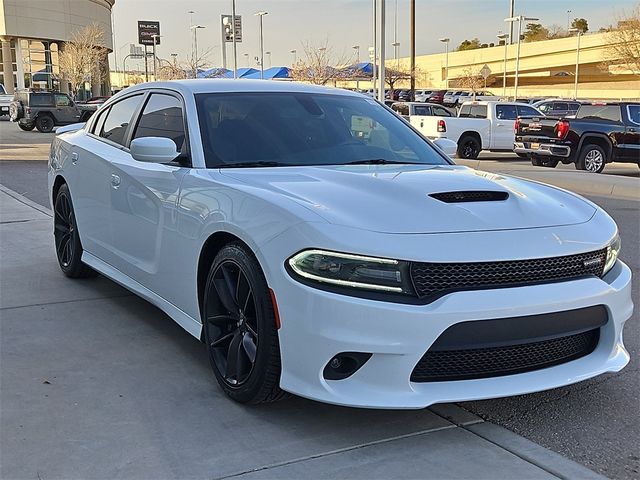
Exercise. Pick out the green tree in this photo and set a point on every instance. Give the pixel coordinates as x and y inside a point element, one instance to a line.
<point>469,44</point>
<point>581,24</point>
<point>535,32</point>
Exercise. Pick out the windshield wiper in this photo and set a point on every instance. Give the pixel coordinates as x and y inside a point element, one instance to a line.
<point>380,161</point>
<point>254,164</point>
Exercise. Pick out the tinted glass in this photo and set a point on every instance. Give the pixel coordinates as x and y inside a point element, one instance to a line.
<point>62,101</point>
<point>162,117</point>
<point>634,113</point>
<point>305,129</point>
<point>545,107</point>
<point>118,119</point>
<point>40,100</point>
<point>506,112</point>
<point>478,111</point>
<point>97,125</point>
<point>605,112</point>
<point>560,107</point>
<point>441,112</point>
<point>573,107</point>
<point>422,110</point>
<point>525,111</point>
<point>465,111</point>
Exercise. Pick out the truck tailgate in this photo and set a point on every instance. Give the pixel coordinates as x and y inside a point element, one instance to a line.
<point>537,127</point>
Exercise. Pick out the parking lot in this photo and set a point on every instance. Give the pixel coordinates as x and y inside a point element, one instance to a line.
<point>97,380</point>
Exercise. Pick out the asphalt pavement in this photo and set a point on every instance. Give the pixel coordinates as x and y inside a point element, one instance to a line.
<point>594,423</point>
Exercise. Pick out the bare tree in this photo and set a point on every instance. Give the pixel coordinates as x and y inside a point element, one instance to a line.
<point>171,71</point>
<point>624,43</point>
<point>472,79</point>
<point>83,56</point>
<point>319,65</point>
<point>397,74</point>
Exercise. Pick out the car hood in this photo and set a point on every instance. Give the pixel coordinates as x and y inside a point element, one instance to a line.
<point>396,199</point>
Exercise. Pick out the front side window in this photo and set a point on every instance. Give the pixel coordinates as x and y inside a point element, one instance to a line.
<point>162,117</point>
<point>118,119</point>
<point>506,112</point>
<point>545,108</point>
<point>300,129</point>
<point>441,112</point>
<point>62,101</point>
<point>634,113</point>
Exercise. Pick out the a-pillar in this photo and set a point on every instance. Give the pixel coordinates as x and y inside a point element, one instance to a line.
<point>7,65</point>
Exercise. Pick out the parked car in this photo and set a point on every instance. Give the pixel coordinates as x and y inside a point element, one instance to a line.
<point>437,96</point>
<point>451,99</point>
<point>405,96</point>
<point>5,101</point>
<point>599,134</point>
<point>558,108</point>
<point>479,126</point>
<point>422,95</point>
<point>46,109</point>
<point>409,110</point>
<point>338,254</point>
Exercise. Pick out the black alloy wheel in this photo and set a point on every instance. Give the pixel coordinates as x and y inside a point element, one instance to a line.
<point>45,123</point>
<point>67,241</point>
<point>468,147</point>
<point>240,328</point>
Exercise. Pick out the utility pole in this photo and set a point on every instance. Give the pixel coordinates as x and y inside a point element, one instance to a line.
<point>146,67</point>
<point>381,89</point>
<point>233,38</point>
<point>375,46</point>
<point>413,47</point>
<point>512,13</point>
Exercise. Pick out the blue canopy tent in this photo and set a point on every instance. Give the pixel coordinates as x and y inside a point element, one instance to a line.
<point>243,72</point>
<point>359,70</point>
<point>273,73</point>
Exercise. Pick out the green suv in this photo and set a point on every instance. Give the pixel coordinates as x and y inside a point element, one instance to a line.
<point>45,110</point>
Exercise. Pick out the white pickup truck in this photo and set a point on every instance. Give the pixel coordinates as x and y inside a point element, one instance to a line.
<point>478,126</point>
<point>5,101</point>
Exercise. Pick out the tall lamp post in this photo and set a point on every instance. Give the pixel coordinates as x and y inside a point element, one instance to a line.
<point>519,19</point>
<point>381,89</point>
<point>261,15</point>
<point>446,60</point>
<point>293,53</point>
<point>195,29</point>
<point>155,37</point>
<point>357,49</point>
<point>503,37</point>
<point>268,54</point>
<point>568,20</point>
<point>579,34</point>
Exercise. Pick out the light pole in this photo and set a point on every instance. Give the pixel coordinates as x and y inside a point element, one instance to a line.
<point>396,46</point>
<point>373,51</point>
<point>519,19</point>
<point>233,39</point>
<point>175,56</point>
<point>579,34</point>
<point>155,37</point>
<point>568,20</point>
<point>261,15</point>
<point>246,59</point>
<point>512,12</point>
<point>191,12</point>
<point>446,41</point>
<point>383,45</point>
<point>195,48</point>
<point>357,49</point>
<point>503,37</point>
<point>293,52</point>
<point>268,54</point>
<point>395,43</point>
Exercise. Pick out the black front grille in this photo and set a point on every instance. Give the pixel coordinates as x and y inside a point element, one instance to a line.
<point>446,365</point>
<point>436,279</point>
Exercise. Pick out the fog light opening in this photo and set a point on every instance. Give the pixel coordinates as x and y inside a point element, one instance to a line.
<point>345,364</point>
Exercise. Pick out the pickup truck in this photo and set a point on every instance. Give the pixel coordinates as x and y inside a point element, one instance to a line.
<point>599,134</point>
<point>5,101</point>
<point>478,126</point>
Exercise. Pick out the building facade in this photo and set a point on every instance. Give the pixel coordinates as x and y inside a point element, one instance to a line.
<point>34,32</point>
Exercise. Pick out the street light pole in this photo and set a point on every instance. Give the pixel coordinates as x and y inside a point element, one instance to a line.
<point>503,37</point>
<point>568,20</point>
<point>293,52</point>
<point>261,14</point>
<point>381,89</point>
<point>155,37</point>
<point>233,39</point>
<point>413,46</point>
<point>579,34</point>
<point>268,54</point>
<point>195,46</point>
<point>375,46</point>
<point>446,60</point>
<point>519,19</point>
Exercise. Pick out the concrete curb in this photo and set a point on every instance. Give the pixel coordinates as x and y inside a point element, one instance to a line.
<point>26,201</point>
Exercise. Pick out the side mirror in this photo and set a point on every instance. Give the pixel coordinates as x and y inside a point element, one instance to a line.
<point>448,146</point>
<point>154,150</point>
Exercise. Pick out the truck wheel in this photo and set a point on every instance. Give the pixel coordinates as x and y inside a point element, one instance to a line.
<point>549,162</point>
<point>535,161</point>
<point>592,158</point>
<point>27,127</point>
<point>468,147</point>
<point>45,123</point>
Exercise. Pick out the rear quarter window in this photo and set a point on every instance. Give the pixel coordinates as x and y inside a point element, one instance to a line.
<point>603,112</point>
<point>41,100</point>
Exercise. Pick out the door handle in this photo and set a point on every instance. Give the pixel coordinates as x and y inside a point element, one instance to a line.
<point>74,158</point>
<point>115,180</point>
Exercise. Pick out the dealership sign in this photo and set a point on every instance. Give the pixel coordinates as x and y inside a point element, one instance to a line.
<point>146,31</point>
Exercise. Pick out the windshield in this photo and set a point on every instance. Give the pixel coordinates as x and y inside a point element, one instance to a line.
<point>299,129</point>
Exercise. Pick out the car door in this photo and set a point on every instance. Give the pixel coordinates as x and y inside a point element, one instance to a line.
<point>66,112</point>
<point>632,134</point>
<point>503,124</point>
<point>144,196</point>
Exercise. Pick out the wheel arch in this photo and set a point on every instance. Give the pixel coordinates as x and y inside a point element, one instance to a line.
<point>57,183</point>
<point>471,133</point>
<point>46,113</point>
<point>597,139</point>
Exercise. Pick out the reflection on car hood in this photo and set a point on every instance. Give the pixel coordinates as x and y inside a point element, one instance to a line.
<point>395,199</point>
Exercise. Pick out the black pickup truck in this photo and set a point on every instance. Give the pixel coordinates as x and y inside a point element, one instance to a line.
<point>599,134</point>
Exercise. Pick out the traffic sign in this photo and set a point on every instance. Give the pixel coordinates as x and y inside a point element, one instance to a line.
<point>485,71</point>
<point>226,26</point>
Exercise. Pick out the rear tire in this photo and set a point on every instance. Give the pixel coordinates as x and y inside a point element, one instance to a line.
<point>468,147</point>
<point>67,241</point>
<point>45,123</point>
<point>240,328</point>
<point>592,158</point>
<point>549,162</point>
<point>27,127</point>
<point>522,155</point>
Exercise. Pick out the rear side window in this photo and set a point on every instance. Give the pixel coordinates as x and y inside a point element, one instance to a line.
<point>634,113</point>
<point>560,107</point>
<point>41,100</point>
<point>441,112</point>
<point>401,108</point>
<point>422,110</point>
<point>506,112</point>
<point>605,112</point>
<point>162,117</point>
<point>524,111</point>
<point>573,107</point>
<point>474,111</point>
<point>118,119</point>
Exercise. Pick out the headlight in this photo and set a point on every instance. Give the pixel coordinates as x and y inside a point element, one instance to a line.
<point>612,254</point>
<point>352,271</point>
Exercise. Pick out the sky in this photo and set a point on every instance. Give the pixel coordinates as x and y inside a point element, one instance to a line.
<point>341,23</point>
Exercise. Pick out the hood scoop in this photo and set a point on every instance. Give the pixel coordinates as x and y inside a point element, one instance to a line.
<point>470,196</point>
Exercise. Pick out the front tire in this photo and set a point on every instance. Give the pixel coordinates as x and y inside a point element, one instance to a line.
<point>45,123</point>
<point>240,328</point>
<point>67,241</point>
<point>592,158</point>
<point>468,147</point>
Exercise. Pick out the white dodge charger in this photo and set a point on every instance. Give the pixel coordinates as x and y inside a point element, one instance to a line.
<point>319,245</point>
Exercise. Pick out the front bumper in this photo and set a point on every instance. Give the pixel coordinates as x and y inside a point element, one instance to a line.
<point>316,325</point>
<point>545,149</point>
